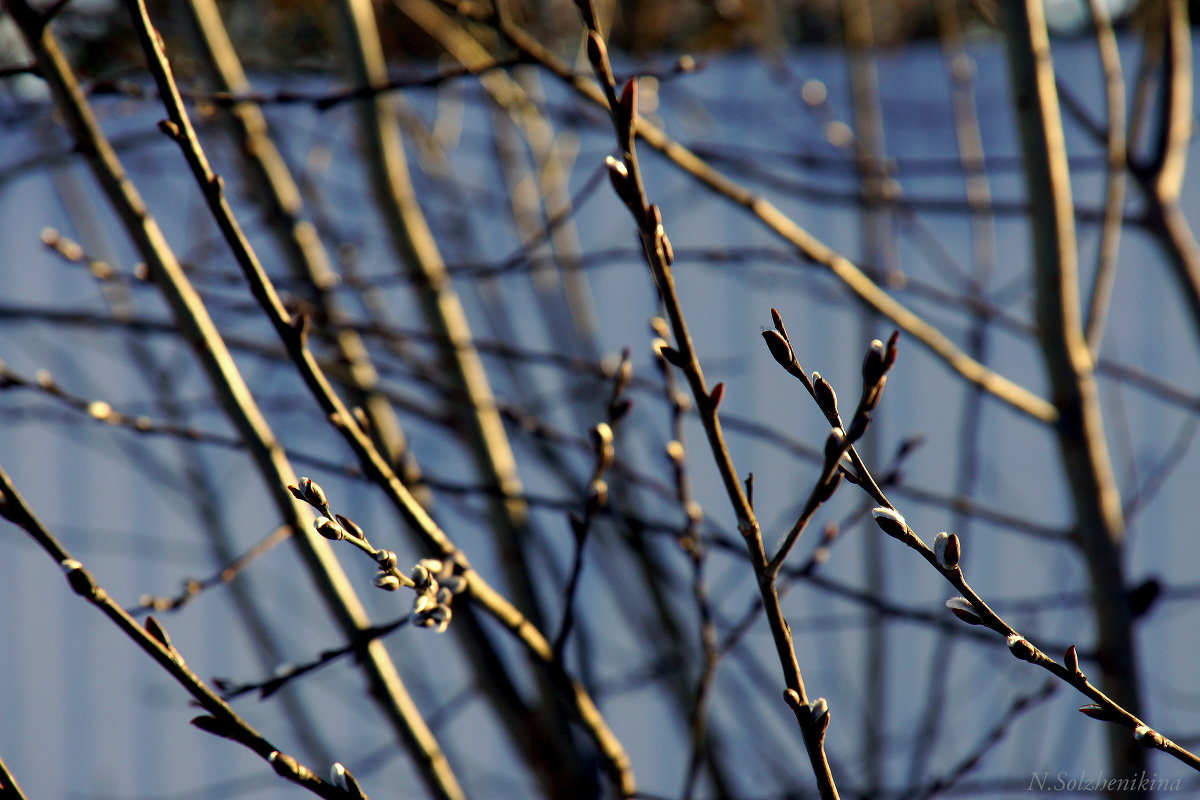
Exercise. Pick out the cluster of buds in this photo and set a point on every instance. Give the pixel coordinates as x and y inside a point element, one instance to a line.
<point>879,359</point>
<point>436,584</point>
<point>433,581</point>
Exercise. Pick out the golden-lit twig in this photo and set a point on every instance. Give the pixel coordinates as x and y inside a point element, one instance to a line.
<point>1114,192</point>
<point>293,333</point>
<point>197,327</point>
<point>8,784</point>
<point>299,240</point>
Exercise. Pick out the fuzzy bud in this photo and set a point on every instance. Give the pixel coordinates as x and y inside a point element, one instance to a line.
<point>285,765</point>
<point>434,565</point>
<point>835,446</point>
<point>672,356</point>
<point>947,549</point>
<point>329,529</point>
<point>597,495</point>
<point>890,522</point>
<point>1148,736</point>
<point>781,351</point>
<point>961,607</point>
<point>1021,648</point>
<point>342,778</point>
<point>597,53</point>
<point>350,527</point>
<point>386,559</point>
<point>616,169</point>
<point>873,364</point>
<point>871,397</point>
<point>618,176</point>
<point>819,708</point>
<point>602,445</point>
<point>155,629</point>
<point>858,426</point>
<point>663,243</point>
<point>313,494</point>
<point>624,372</point>
<point>825,396</point>
<point>337,775</point>
<point>821,719</point>
<point>387,581</point>
<point>80,579</point>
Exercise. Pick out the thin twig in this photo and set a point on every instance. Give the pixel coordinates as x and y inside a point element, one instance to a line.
<point>627,182</point>
<point>193,587</point>
<point>971,608</point>
<point>597,495</point>
<point>692,543</point>
<point>232,97</point>
<point>808,245</point>
<point>290,673</point>
<point>153,639</point>
<point>990,740</point>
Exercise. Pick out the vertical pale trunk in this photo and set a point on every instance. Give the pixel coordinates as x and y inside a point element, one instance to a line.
<point>1069,366</point>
